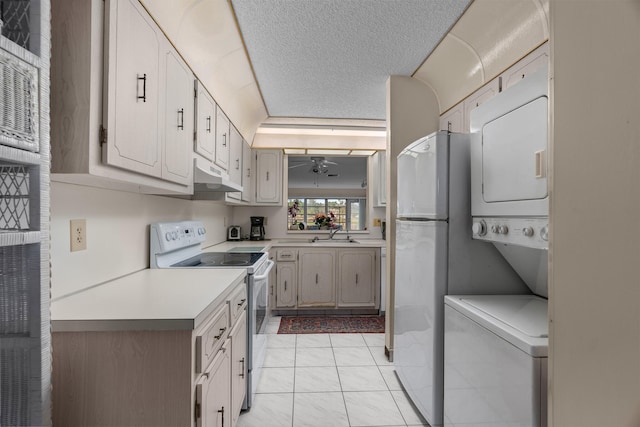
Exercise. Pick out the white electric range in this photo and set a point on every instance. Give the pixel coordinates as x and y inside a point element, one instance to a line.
<point>178,245</point>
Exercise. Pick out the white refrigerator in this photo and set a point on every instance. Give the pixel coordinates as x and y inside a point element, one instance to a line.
<point>436,256</point>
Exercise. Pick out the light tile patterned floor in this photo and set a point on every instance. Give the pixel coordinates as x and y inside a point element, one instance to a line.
<point>328,380</point>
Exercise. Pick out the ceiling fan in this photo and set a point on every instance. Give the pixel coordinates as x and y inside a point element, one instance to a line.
<point>317,165</point>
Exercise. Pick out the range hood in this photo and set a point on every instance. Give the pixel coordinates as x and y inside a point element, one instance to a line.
<point>207,177</point>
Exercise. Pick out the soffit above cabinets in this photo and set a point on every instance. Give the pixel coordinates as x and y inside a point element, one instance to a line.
<point>490,36</point>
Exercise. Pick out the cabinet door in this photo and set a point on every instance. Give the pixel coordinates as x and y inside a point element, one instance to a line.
<point>235,160</point>
<point>317,278</point>
<point>213,398</point>
<point>222,139</point>
<point>205,124</point>
<point>453,120</point>
<point>178,134</point>
<point>268,176</point>
<point>357,279</point>
<point>238,366</point>
<point>483,94</point>
<point>286,285</point>
<point>247,178</point>
<point>380,171</point>
<point>134,96</point>
<point>534,61</point>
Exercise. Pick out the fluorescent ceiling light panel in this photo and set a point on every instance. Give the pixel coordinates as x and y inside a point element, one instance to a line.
<point>295,151</point>
<point>329,152</point>
<point>362,152</point>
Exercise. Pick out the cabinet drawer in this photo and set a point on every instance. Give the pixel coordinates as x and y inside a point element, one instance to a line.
<point>237,303</point>
<point>210,341</point>
<point>286,254</point>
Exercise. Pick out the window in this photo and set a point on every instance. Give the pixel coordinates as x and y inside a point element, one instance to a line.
<point>343,213</point>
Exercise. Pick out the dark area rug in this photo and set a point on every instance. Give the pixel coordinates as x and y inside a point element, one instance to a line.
<point>331,324</point>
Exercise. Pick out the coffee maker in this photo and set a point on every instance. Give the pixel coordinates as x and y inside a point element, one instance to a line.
<point>257,228</point>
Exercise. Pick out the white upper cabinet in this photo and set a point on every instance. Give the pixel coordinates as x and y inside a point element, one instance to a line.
<point>380,179</point>
<point>206,123</point>
<point>222,139</point>
<point>453,120</point>
<point>268,179</point>
<point>483,94</point>
<point>235,156</point>
<point>247,174</point>
<point>121,91</point>
<point>535,60</point>
<point>134,89</point>
<point>178,120</point>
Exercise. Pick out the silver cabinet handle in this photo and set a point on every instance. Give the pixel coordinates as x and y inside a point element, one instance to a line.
<point>248,172</point>
<point>221,411</point>
<point>237,164</point>
<point>208,124</point>
<point>181,119</point>
<point>241,302</point>
<point>224,139</point>
<point>356,278</point>
<point>285,285</point>
<point>316,278</point>
<point>242,371</point>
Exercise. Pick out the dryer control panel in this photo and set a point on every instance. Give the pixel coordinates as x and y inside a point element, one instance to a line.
<point>528,232</point>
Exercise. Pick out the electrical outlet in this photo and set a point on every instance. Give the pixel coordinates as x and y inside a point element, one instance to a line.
<point>377,222</point>
<point>78,234</point>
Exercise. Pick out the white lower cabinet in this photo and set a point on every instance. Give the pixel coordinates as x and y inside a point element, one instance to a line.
<point>327,278</point>
<point>151,378</point>
<point>213,400</point>
<point>357,278</point>
<point>317,278</point>
<point>287,285</point>
<point>238,337</point>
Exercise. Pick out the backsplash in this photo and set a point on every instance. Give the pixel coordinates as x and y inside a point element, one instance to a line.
<point>117,229</point>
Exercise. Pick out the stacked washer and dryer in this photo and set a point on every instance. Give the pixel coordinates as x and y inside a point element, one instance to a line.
<point>495,361</point>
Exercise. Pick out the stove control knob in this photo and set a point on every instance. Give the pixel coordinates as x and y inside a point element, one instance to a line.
<point>544,233</point>
<point>527,231</point>
<point>503,229</point>
<point>479,228</point>
<point>202,231</point>
<point>495,229</point>
<point>174,235</point>
<point>167,236</point>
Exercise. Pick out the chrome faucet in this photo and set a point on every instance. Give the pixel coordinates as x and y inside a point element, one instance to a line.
<point>332,232</point>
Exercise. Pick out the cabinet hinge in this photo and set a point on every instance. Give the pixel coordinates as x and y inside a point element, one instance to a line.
<point>103,135</point>
<point>197,411</point>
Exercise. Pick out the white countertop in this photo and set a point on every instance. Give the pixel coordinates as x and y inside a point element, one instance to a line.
<point>266,245</point>
<point>153,299</point>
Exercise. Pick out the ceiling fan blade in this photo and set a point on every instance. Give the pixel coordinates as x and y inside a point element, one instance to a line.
<point>298,165</point>
<point>327,162</point>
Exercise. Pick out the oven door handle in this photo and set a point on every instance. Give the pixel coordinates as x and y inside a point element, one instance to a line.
<point>266,272</point>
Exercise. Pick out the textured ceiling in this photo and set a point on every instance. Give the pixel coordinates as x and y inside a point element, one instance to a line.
<point>332,58</point>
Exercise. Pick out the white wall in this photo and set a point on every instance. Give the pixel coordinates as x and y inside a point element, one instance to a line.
<point>117,231</point>
<point>412,112</point>
<point>595,200</point>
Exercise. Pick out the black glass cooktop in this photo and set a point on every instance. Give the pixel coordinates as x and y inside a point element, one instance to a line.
<point>221,259</point>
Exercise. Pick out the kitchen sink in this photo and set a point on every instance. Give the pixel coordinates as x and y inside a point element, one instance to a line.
<point>334,241</point>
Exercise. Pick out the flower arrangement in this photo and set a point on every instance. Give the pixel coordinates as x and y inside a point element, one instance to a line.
<point>322,220</point>
<point>293,210</point>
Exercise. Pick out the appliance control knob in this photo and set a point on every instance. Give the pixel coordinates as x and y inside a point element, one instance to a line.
<point>527,231</point>
<point>503,229</point>
<point>174,235</point>
<point>479,228</point>
<point>544,233</point>
<point>167,236</point>
<point>495,229</point>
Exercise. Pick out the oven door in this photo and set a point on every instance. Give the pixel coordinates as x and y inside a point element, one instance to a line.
<point>258,319</point>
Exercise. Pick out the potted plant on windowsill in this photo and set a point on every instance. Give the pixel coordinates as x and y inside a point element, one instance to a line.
<point>324,221</point>
<point>293,213</point>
